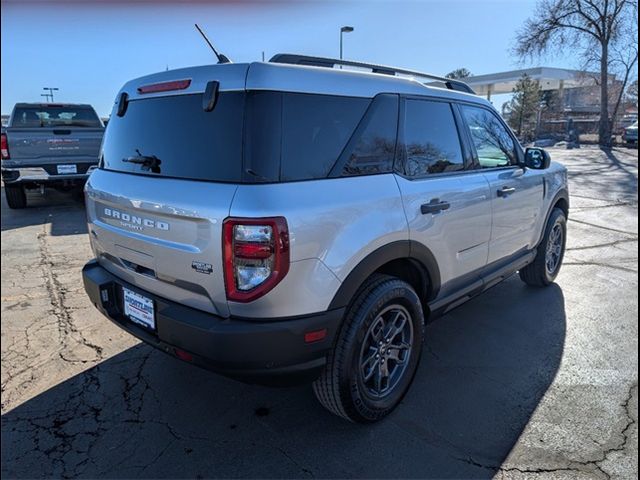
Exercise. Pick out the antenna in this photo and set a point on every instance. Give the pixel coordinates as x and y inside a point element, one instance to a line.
<point>221,57</point>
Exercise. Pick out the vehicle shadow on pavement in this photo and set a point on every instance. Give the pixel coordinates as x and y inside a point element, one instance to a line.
<point>629,169</point>
<point>144,414</point>
<point>613,175</point>
<point>64,210</point>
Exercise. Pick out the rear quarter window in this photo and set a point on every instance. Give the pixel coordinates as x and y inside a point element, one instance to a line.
<point>371,150</point>
<point>315,130</point>
<point>295,136</point>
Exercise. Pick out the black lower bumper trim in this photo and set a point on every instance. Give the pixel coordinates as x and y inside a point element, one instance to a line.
<point>270,351</point>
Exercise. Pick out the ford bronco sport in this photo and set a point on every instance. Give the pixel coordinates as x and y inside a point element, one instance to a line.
<point>286,221</point>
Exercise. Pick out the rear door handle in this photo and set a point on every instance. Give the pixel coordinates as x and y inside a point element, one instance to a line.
<point>434,206</point>
<point>506,191</point>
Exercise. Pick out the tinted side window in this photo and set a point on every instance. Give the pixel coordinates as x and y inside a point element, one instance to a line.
<point>494,145</point>
<point>263,137</point>
<point>315,130</point>
<point>431,142</point>
<point>372,148</point>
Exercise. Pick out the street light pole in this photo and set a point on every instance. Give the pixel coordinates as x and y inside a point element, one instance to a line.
<point>51,90</point>
<point>345,29</point>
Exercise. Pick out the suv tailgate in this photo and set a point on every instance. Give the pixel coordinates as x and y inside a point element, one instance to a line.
<point>169,169</point>
<point>163,235</point>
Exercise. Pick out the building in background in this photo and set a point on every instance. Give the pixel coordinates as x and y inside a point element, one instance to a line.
<point>572,98</point>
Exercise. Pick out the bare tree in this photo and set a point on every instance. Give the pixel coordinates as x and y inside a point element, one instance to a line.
<point>632,93</point>
<point>625,60</point>
<point>581,25</point>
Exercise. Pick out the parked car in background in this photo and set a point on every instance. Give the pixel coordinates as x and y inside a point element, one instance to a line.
<point>49,145</point>
<point>630,135</point>
<point>302,223</point>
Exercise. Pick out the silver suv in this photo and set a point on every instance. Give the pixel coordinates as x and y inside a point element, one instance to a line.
<point>286,221</point>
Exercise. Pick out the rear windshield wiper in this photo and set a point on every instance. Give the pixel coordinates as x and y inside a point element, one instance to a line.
<point>257,175</point>
<point>148,162</point>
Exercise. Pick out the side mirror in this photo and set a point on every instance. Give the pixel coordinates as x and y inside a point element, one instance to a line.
<point>537,158</point>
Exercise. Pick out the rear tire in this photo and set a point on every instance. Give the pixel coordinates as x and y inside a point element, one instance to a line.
<point>546,266</point>
<point>376,353</point>
<point>16,196</point>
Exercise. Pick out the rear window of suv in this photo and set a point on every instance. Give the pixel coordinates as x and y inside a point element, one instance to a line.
<point>186,141</point>
<point>55,116</point>
<point>249,137</point>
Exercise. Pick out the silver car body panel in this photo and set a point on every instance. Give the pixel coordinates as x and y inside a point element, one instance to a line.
<point>514,217</point>
<point>459,236</point>
<point>336,221</point>
<point>555,180</point>
<point>291,78</point>
<point>308,288</point>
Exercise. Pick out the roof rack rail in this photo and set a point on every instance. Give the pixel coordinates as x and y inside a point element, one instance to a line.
<point>293,59</point>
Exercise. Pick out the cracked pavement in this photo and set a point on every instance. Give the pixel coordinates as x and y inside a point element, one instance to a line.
<point>518,383</point>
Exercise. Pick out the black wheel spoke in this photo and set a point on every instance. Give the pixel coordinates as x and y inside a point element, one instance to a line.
<point>385,350</point>
<point>378,328</point>
<point>372,369</point>
<point>396,326</point>
<point>379,380</point>
<point>370,364</point>
<point>553,252</point>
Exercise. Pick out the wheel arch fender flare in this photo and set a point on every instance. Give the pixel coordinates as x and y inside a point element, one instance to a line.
<point>562,194</point>
<point>409,250</point>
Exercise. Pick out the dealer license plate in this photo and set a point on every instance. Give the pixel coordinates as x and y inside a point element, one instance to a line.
<point>139,309</point>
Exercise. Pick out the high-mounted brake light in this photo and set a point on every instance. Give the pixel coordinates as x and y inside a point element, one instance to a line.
<point>256,256</point>
<point>4,147</point>
<point>165,86</point>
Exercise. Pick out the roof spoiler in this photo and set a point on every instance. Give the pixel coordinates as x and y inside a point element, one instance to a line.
<point>293,59</point>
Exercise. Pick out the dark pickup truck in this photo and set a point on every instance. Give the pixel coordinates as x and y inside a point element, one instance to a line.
<point>49,145</point>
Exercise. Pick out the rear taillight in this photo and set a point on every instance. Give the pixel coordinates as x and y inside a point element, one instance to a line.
<point>256,256</point>
<point>4,147</point>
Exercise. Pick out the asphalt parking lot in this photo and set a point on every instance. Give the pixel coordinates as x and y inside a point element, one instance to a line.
<point>518,383</point>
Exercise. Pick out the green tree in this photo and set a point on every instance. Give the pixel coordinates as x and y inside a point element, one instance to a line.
<point>550,101</point>
<point>584,27</point>
<point>522,110</point>
<point>459,74</point>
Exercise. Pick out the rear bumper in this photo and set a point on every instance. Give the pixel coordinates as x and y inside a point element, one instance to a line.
<point>270,352</point>
<point>41,175</point>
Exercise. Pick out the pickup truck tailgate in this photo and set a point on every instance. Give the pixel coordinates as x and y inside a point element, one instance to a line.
<point>49,145</point>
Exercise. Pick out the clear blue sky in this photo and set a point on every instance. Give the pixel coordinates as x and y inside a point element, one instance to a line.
<point>89,49</point>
